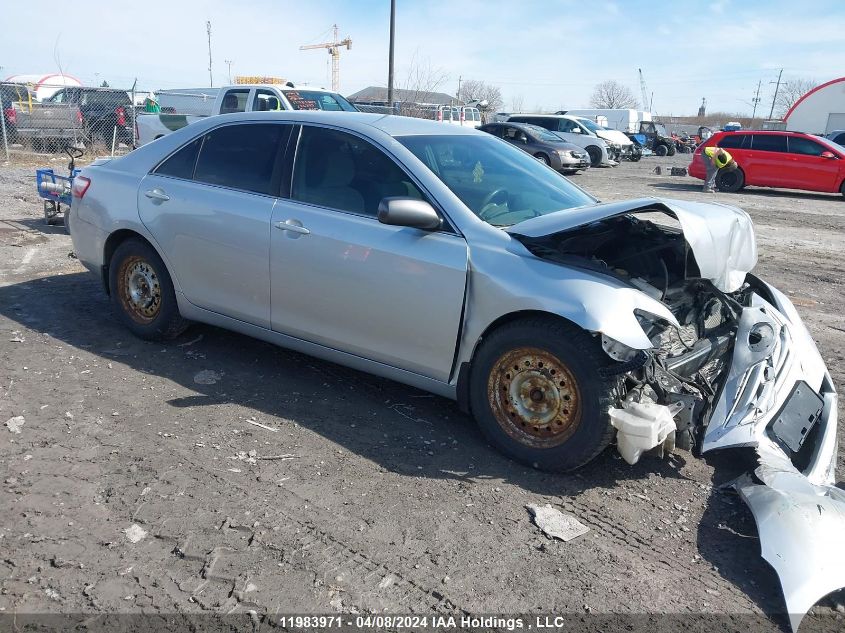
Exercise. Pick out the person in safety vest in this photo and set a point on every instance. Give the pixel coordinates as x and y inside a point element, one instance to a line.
<point>715,159</point>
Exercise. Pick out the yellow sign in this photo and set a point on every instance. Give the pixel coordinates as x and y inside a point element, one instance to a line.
<point>259,80</point>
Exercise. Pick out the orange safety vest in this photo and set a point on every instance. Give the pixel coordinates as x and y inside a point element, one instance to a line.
<point>722,157</point>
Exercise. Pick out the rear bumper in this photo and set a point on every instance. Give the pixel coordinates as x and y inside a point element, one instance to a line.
<point>696,167</point>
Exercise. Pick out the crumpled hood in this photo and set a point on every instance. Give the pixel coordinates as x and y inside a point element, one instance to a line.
<point>720,236</point>
<point>615,136</point>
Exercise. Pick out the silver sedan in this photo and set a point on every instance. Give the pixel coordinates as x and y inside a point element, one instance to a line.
<point>443,258</point>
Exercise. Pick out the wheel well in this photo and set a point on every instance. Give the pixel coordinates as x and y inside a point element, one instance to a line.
<point>114,240</point>
<point>465,369</point>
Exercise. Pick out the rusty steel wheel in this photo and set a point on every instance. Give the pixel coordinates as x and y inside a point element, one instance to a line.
<point>539,395</point>
<point>534,397</point>
<point>139,289</point>
<point>142,292</point>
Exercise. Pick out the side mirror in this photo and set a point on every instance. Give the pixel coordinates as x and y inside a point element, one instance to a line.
<point>411,212</point>
<point>827,155</point>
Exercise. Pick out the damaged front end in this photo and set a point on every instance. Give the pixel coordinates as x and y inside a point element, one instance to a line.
<point>735,367</point>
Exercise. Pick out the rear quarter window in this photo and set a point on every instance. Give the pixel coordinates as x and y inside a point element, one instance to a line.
<point>733,141</point>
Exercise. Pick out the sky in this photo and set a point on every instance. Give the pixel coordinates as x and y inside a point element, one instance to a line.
<point>543,54</point>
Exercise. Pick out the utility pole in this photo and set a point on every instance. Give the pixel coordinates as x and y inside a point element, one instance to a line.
<point>208,29</point>
<point>228,63</point>
<point>334,50</point>
<point>775,98</point>
<point>459,88</point>
<point>756,99</point>
<point>390,53</point>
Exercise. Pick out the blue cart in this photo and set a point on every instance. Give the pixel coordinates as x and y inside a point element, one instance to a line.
<point>56,189</point>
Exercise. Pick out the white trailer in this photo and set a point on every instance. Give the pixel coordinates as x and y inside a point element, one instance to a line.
<point>624,120</point>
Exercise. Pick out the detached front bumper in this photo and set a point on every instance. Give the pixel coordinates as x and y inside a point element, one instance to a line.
<point>779,399</point>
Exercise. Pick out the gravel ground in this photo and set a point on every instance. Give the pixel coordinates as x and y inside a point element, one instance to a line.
<point>380,497</point>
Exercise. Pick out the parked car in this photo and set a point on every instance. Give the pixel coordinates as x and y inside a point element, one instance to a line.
<point>546,147</point>
<point>470,116</point>
<point>785,160</point>
<point>105,112</point>
<point>443,258</point>
<point>620,145</point>
<point>837,136</point>
<point>569,129</point>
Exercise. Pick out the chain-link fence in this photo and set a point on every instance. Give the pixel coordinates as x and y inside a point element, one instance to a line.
<point>45,118</point>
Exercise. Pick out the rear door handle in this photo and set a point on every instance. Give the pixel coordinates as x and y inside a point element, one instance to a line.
<point>293,226</point>
<point>157,194</point>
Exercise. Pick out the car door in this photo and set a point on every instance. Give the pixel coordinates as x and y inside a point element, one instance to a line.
<point>208,206</point>
<point>768,161</point>
<point>810,170</point>
<point>342,279</point>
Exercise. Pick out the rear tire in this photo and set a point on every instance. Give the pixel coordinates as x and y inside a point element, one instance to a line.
<point>595,155</point>
<point>730,181</point>
<point>538,394</point>
<point>661,150</point>
<point>671,150</point>
<point>142,293</point>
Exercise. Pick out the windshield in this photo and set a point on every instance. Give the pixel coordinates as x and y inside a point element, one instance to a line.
<point>313,100</point>
<point>661,129</point>
<point>590,125</point>
<point>501,184</point>
<point>542,133</point>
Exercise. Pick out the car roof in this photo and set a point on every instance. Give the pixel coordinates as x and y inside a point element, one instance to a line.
<point>389,124</point>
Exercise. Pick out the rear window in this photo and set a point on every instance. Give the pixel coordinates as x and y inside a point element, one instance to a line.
<point>111,98</point>
<point>242,156</point>
<point>734,141</point>
<point>313,100</point>
<point>768,142</point>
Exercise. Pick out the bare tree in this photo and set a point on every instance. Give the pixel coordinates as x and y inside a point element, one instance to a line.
<point>517,103</point>
<point>420,84</point>
<point>611,94</point>
<point>473,90</point>
<point>790,91</point>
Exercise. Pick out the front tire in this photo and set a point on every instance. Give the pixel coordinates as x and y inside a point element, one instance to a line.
<point>661,150</point>
<point>142,293</point>
<point>595,155</point>
<point>539,396</point>
<point>543,159</point>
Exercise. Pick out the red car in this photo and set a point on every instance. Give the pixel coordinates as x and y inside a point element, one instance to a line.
<point>786,160</point>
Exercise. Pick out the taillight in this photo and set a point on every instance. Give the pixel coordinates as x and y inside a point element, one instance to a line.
<point>11,115</point>
<point>463,117</point>
<point>80,186</point>
<point>79,117</point>
<point>121,115</point>
<point>440,115</point>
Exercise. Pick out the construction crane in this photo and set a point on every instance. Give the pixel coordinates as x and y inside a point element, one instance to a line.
<point>647,103</point>
<point>334,50</point>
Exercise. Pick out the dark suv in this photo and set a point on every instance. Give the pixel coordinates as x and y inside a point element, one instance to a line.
<point>103,110</point>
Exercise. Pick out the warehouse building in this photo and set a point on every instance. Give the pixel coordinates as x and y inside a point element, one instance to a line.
<point>820,111</point>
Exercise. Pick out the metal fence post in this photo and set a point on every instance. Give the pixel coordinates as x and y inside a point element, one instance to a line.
<point>3,125</point>
<point>134,114</point>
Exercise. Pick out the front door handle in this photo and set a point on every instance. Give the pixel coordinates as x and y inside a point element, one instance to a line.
<point>157,194</point>
<point>293,226</point>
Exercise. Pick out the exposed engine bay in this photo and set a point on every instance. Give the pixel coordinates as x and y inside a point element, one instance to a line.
<point>688,362</point>
<point>734,367</point>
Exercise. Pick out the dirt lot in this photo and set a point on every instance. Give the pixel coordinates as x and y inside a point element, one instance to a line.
<point>386,499</point>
